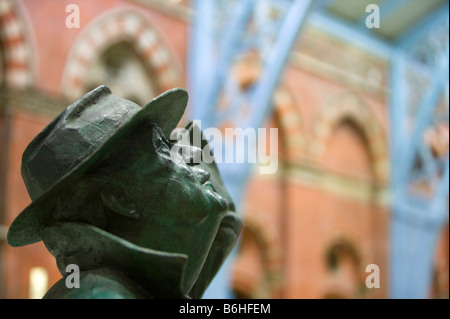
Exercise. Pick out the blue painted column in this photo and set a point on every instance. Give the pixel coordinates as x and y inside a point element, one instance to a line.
<point>413,248</point>
<point>417,220</point>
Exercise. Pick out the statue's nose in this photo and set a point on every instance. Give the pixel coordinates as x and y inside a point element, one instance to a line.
<point>191,155</point>
<point>202,174</point>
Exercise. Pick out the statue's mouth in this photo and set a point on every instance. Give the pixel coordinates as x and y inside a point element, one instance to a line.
<point>210,185</point>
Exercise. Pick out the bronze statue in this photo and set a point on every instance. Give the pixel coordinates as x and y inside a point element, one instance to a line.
<point>108,196</point>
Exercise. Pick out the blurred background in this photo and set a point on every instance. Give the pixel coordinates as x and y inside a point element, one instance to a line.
<point>357,89</point>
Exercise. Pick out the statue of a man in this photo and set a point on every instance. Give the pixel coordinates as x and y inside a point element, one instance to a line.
<point>110,197</point>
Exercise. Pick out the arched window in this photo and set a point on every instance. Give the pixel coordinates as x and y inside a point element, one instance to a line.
<point>344,267</point>
<point>356,159</point>
<point>341,255</point>
<point>347,119</point>
<point>122,69</point>
<point>121,49</point>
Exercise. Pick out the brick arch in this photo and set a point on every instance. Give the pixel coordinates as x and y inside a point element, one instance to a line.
<point>290,122</point>
<point>113,27</point>
<point>348,106</point>
<point>332,287</point>
<point>350,238</point>
<point>18,66</point>
<point>349,246</point>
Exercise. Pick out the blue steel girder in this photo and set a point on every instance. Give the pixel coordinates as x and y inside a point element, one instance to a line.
<point>413,35</point>
<point>201,60</point>
<point>348,33</point>
<point>211,56</point>
<point>207,72</point>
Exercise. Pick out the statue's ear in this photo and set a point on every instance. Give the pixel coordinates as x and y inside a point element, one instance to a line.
<point>119,204</point>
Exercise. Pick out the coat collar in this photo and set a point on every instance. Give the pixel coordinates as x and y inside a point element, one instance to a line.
<point>89,247</point>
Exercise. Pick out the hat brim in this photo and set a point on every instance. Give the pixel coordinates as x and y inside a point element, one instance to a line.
<point>165,110</point>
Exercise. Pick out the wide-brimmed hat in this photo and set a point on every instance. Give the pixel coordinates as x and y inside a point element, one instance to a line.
<point>73,142</point>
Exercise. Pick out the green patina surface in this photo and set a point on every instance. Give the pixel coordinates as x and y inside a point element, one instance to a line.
<point>110,196</point>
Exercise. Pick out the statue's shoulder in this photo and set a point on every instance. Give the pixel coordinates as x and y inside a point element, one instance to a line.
<point>98,284</point>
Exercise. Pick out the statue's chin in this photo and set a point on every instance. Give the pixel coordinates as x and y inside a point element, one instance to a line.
<point>229,230</point>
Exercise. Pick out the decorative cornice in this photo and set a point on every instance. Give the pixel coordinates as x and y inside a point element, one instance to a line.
<point>323,55</point>
<point>352,187</point>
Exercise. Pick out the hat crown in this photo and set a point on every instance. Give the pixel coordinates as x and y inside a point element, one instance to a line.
<point>72,137</point>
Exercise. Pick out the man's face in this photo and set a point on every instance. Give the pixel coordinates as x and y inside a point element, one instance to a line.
<point>179,210</point>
